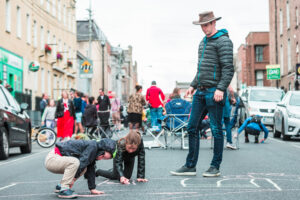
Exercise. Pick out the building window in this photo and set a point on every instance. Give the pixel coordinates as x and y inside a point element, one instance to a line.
<point>49,83</point>
<point>59,10</point>
<point>297,16</point>
<point>259,78</point>
<point>42,38</point>
<point>54,8</point>
<point>48,37</point>
<point>28,29</point>
<point>34,34</point>
<point>259,53</point>
<point>281,60</point>
<point>288,14</point>
<point>297,52</point>
<point>43,80</point>
<point>64,15</point>
<point>54,47</point>
<point>280,22</point>
<point>19,24</point>
<point>7,15</point>
<point>59,46</point>
<point>69,21</point>
<point>48,5</point>
<point>65,50</point>
<point>289,56</point>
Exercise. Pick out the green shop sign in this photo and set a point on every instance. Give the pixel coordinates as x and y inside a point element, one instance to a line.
<point>273,72</point>
<point>11,59</point>
<point>34,66</point>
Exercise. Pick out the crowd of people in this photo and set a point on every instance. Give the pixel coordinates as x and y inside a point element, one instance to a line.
<point>212,100</point>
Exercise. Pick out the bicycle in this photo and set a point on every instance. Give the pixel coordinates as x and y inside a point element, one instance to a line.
<point>45,137</point>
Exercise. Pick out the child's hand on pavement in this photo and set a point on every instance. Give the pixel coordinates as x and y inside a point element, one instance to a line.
<point>142,180</point>
<point>124,180</point>
<point>96,192</point>
<point>262,141</point>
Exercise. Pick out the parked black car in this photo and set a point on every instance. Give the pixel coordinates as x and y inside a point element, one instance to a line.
<point>15,125</point>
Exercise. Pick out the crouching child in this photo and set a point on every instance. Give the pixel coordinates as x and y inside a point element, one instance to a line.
<point>253,126</point>
<point>75,158</point>
<point>128,148</point>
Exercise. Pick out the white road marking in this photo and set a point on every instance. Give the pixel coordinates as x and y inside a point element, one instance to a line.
<point>252,181</point>
<point>294,145</point>
<point>8,186</point>
<point>274,184</point>
<point>182,182</point>
<point>220,181</point>
<point>103,182</point>
<point>26,157</point>
<point>276,140</point>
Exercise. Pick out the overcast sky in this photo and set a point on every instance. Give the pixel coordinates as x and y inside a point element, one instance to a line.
<point>164,40</point>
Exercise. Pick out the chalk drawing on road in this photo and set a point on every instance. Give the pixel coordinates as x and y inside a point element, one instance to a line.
<point>247,181</point>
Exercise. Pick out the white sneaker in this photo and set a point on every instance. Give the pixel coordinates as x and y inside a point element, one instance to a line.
<point>230,146</point>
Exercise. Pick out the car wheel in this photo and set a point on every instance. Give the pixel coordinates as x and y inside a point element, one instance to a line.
<point>284,137</point>
<point>4,144</point>
<point>276,134</point>
<point>27,147</point>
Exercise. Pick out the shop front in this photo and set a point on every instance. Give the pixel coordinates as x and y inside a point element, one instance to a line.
<point>11,70</point>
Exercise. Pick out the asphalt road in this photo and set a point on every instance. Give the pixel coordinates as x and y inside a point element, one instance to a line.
<point>255,171</point>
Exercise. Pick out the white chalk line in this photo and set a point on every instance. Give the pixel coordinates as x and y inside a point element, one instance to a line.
<point>277,140</point>
<point>274,184</point>
<point>103,182</point>
<point>294,145</point>
<point>8,186</point>
<point>182,182</point>
<point>229,193</point>
<point>252,181</point>
<point>26,157</point>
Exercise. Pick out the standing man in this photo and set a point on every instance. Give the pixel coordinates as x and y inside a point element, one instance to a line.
<point>214,74</point>
<point>43,103</point>
<point>104,108</point>
<point>155,98</point>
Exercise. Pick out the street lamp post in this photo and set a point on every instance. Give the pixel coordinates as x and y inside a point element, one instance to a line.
<point>103,45</point>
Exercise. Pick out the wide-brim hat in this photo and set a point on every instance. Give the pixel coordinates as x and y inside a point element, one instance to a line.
<point>206,17</point>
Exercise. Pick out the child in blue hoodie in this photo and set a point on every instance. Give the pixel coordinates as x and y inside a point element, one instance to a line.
<point>254,126</point>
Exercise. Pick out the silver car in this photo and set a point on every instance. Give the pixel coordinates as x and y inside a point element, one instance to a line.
<point>287,116</point>
<point>262,101</point>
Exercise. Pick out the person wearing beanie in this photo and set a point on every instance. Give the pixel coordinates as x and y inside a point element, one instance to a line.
<point>75,158</point>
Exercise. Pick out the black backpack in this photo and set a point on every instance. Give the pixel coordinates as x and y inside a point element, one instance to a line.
<point>256,119</point>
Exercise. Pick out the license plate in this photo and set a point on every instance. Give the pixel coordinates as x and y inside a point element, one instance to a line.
<point>268,120</point>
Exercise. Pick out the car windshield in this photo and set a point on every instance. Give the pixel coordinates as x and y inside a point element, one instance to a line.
<point>295,100</point>
<point>266,95</point>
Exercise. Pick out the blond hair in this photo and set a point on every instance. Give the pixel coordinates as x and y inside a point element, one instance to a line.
<point>132,138</point>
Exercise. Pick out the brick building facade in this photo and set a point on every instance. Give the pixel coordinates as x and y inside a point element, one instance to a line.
<point>252,59</point>
<point>284,39</point>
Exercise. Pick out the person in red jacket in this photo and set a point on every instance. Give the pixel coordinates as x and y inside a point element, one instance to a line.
<point>155,98</point>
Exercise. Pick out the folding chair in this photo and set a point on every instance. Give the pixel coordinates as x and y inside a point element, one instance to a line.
<point>176,121</point>
<point>176,125</point>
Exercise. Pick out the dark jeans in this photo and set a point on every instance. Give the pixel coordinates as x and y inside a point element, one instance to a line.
<point>204,103</point>
<point>113,173</point>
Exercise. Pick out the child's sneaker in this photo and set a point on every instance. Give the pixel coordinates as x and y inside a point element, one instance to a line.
<point>67,194</point>
<point>57,188</point>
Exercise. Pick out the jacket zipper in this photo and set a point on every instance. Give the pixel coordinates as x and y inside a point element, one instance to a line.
<point>199,69</point>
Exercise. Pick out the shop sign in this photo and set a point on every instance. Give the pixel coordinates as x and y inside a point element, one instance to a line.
<point>273,72</point>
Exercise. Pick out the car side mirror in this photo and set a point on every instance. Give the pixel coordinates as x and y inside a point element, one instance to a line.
<point>23,106</point>
<point>281,105</point>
